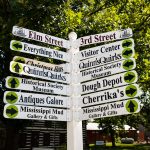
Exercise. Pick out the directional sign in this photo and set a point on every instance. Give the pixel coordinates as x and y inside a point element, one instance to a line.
<point>36,72</point>
<point>37,86</point>
<point>40,64</point>
<point>111,109</point>
<point>105,37</point>
<point>124,47</point>
<point>108,69</point>
<point>21,98</point>
<point>41,37</point>
<point>104,59</point>
<point>109,82</point>
<point>39,50</point>
<point>36,113</point>
<point>110,95</point>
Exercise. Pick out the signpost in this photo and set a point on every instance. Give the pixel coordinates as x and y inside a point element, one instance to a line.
<point>36,113</point>
<point>38,50</point>
<point>37,86</point>
<point>124,47</point>
<point>32,99</point>
<point>108,69</point>
<point>110,95</point>
<point>40,37</point>
<point>37,72</point>
<point>44,65</point>
<point>109,82</point>
<point>111,109</point>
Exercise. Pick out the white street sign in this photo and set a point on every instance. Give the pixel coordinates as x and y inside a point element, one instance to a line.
<point>104,59</point>
<point>39,50</point>
<point>111,109</point>
<point>41,37</point>
<point>110,95</point>
<point>36,72</point>
<point>40,64</point>
<point>36,113</point>
<point>32,99</point>
<point>108,69</point>
<point>37,86</point>
<point>109,82</point>
<point>105,37</point>
<point>124,47</point>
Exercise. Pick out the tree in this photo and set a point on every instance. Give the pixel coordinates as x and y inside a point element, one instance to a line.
<point>58,18</point>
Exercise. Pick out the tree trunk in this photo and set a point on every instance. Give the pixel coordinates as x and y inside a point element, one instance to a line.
<point>11,139</point>
<point>112,134</point>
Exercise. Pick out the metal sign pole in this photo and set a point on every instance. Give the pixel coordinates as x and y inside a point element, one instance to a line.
<point>74,127</point>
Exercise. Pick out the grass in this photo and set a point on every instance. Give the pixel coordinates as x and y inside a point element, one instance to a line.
<point>121,147</point>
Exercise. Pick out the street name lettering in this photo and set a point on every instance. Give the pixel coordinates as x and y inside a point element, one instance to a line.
<point>109,82</point>
<point>41,73</point>
<point>125,46</point>
<point>22,98</point>
<point>105,37</point>
<point>39,50</point>
<point>36,113</point>
<point>41,37</point>
<point>111,95</point>
<point>111,109</point>
<point>37,86</point>
<point>40,64</point>
<point>108,69</point>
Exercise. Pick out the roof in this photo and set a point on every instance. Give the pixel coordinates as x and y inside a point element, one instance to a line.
<point>94,126</point>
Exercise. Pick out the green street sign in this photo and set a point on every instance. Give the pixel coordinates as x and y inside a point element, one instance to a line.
<point>129,77</point>
<point>127,52</point>
<point>128,64</point>
<point>132,106</point>
<point>127,43</point>
<point>11,111</point>
<point>11,97</point>
<point>13,82</point>
<point>131,91</point>
<point>16,45</point>
<point>17,67</point>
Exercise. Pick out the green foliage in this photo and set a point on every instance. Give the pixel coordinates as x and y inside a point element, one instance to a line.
<point>87,17</point>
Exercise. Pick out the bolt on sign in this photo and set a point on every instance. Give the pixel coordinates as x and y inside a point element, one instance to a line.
<point>37,72</point>
<point>38,50</point>
<point>111,109</point>
<point>105,37</point>
<point>110,95</point>
<point>108,69</point>
<point>124,48</point>
<point>36,113</point>
<point>37,86</point>
<point>100,60</point>
<point>40,37</point>
<point>32,99</point>
<point>109,82</point>
<point>40,64</point>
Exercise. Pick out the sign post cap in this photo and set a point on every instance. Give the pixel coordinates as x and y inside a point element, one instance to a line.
<point>72,36</point>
